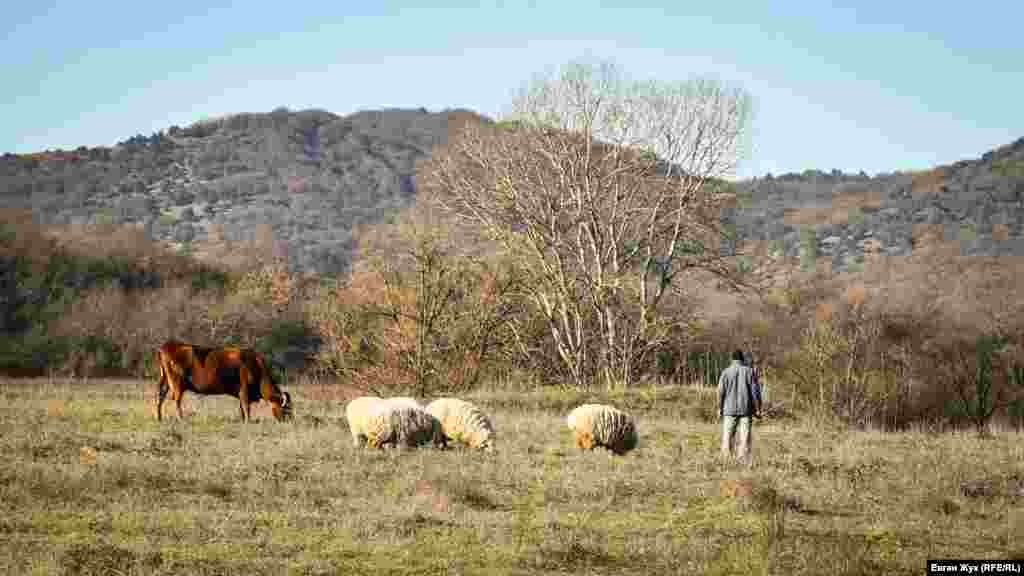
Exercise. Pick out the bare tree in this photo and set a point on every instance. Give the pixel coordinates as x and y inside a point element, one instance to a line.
<point>608,190</point>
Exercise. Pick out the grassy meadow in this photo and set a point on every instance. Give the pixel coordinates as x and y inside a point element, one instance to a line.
<point>91,483</point>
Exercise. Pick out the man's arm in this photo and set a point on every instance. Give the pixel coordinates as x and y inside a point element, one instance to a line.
<point>755,388</point>
<point>721,392</point>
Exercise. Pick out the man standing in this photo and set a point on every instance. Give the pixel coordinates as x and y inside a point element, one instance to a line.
<point>739,399</point>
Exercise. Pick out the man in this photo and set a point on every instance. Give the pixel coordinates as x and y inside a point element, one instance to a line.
<point>739,400</point>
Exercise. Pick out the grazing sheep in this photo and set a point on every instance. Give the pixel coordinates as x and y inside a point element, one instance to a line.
<point>464,422</point>
<point>358,413</point>
<point>603,425</point>
<point>398,424</point>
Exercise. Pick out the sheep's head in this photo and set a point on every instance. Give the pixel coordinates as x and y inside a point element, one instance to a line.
<point>487,445</point>
<point>437,434</point>
<point>584,440</point>
<point>283,409</point>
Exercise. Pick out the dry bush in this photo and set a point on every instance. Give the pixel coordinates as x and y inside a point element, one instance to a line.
<point>848,363</point>
<point>895,345</point>
<point>129,244</point>
<point>272,285</point>
<point>106,240</point>
<point>978,291</point>
<point>426,307</point>
<point>382,335</point>
<point>102,313</point>
<point>980,373</point>
<point>927,181</point>
<point>1000,232</point>
<point>135,323</point>
<point>23,237</point>
<point>926,236</point>
<point>337,317</point>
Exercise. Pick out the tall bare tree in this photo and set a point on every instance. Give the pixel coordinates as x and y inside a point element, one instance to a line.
<point>608,189</point>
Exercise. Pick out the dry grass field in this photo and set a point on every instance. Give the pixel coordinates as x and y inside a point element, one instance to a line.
<point>92,484</point>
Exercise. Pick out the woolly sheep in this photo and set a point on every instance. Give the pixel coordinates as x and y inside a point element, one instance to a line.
<point>603,425</point>
<point>398,424</point>
<point>464,422</point>
<point>358,413</point>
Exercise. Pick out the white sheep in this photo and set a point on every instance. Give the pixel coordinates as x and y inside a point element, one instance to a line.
<point>358,414</point>
<point>398,424</point>
<point>603,425</point>
<point>464,422</point>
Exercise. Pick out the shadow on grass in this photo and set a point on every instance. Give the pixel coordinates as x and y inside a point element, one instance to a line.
<point>109,560</point>
<point>105,559</point>
<point>572,548</point>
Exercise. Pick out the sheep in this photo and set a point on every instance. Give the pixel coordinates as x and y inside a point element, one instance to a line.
<point>398,424</point>
<point>603,425</point>
<point>464,422</point>
<point>358,413</point>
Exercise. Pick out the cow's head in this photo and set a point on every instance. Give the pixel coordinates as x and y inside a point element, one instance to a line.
<point>283,409</point>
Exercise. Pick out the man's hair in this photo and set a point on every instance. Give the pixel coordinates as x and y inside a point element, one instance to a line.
<point>738,355</point>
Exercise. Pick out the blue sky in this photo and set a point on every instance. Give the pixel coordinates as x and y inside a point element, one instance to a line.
<point>866,85</point>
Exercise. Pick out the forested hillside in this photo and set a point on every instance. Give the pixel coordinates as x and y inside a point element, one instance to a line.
<point>846,218</point>
<point>306,178</point>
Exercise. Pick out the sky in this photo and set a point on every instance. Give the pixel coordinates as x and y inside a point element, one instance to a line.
<point>861,85</point>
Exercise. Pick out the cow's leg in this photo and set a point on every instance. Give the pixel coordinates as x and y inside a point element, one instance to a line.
<point>178,394</point>
<point>243,394</point>
<point>161,394</point>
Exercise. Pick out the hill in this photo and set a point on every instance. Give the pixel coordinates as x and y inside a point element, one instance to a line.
<point>303,178</point>
<point>849,218</point>
<point>297,183</point>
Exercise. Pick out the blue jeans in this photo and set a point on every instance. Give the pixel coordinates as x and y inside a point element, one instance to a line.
<point>736,430</point>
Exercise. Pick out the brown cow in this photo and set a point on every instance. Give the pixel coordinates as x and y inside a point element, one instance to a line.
<point>238,372</point>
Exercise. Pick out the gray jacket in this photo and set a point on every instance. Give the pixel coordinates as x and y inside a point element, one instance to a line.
<point>739,392</point>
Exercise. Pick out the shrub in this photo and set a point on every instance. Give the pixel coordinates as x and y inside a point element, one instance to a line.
<point>982,374</point>
<point>808,248</point>
<point>99,299</point>
<point>856,216</point>
<point>968,232</point>
<point>285,337</point>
